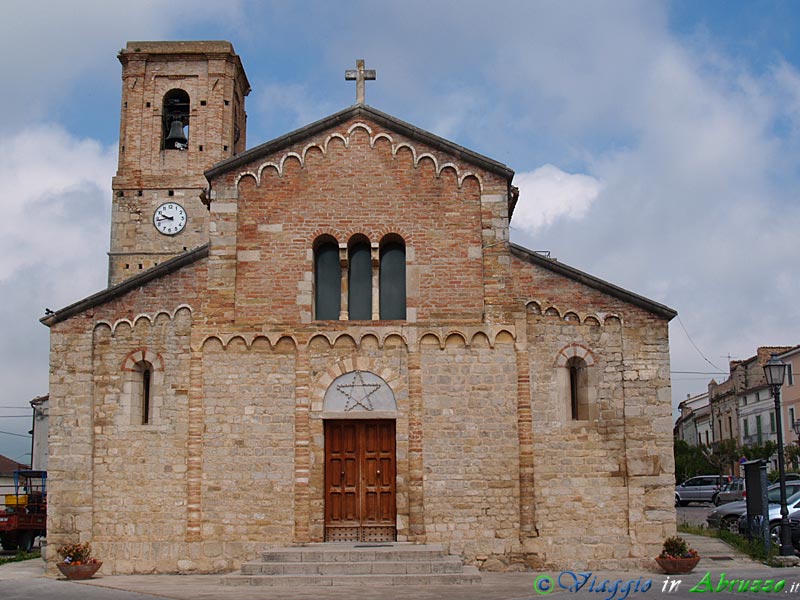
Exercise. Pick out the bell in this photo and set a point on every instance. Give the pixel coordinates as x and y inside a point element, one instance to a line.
<point>176,135</point>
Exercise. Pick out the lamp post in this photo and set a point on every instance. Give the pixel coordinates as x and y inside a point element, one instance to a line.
<point>774,372</point>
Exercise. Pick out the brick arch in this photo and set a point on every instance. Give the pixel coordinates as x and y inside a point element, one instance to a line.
<point>533,307</point>
<point>432,338</point>
<point>357,363</point>
<point>570,350</point>
<point>140,355</point>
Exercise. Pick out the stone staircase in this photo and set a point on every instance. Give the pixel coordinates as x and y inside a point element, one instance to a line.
<point>355,564</point>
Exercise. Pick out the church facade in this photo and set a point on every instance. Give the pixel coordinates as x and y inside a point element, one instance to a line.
<point>329,337</point>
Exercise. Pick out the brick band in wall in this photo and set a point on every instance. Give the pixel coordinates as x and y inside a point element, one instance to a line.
<point>527,504</point>
<point>416,508</point>
<point>302,454</point>
<point>194,449</point>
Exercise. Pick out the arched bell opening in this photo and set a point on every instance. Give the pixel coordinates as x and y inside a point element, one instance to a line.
<point>175,120</point>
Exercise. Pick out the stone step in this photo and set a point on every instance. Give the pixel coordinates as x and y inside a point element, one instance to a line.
<point>355,564</point>
<point>354,553</point>
<point>445,564</point>
<point>468,577</point>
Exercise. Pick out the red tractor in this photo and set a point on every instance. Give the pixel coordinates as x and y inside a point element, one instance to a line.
<point>23,515</point>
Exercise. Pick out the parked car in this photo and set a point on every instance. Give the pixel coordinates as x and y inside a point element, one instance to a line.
<point>731,492</point>
<point>726,516</point>
<point>792,503</point>
<point>702,488</point>
<point>794,523</point>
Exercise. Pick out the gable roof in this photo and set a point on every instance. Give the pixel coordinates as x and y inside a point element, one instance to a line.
<point>591,281</point>
<point>115,291</point>
<point>381,118</point>
<point>8,466</point>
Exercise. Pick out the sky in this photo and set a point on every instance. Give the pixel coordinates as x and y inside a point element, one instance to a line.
<point>655,144</point>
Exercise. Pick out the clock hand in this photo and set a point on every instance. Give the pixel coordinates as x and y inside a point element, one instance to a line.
<point>164,218</point>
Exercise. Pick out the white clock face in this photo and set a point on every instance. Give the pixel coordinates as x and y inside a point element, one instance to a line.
<point>170,218</point>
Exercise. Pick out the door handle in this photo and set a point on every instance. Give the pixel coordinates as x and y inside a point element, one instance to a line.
<point>378,472</point>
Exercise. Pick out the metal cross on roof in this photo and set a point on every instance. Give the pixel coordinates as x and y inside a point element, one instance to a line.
<point>360,75</point>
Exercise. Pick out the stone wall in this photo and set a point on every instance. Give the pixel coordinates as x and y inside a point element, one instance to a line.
<point>248,441</point>
<point>470,445</point>
<point>140,469</point>
<point>489,458</point>
<point>607,480</point>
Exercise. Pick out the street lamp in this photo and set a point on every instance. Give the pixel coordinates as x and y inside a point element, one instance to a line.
<point>774,372</point>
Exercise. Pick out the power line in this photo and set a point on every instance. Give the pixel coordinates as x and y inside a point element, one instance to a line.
<point>691,341</point>
<point>699,372</point>
<point>15,434</point>
<point>15,416</point>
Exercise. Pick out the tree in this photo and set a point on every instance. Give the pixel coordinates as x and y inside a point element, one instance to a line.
<point>723,455</point>
<point>763,451</point>
<point>792,454</point>
<point>690,461</point>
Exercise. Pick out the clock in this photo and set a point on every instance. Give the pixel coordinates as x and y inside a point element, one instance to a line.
<point>170,218</point>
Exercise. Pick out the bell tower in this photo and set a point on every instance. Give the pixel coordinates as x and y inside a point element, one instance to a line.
<point>182,112</point>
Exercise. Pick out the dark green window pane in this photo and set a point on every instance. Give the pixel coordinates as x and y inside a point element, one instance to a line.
<point>360,283</point>
<point>327,285</point>
<point>393,281</point>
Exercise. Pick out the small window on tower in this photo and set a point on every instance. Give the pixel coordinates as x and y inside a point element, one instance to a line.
<point>175,117</point>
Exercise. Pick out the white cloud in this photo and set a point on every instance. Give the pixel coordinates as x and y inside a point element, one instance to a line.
<point>51,47</point>
<point>57,192</point>
<point>548,194</point>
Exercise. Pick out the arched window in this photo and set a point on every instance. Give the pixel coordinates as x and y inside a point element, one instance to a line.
<point>175,124</point>
<point>147,374</point>
<point>327,280</point>
<point>578,388</point>
<point>359,297</point>
<point>393,279</point>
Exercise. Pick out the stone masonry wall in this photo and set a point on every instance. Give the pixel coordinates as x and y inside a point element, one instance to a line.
<point>248,442</point>
<point>140,469</point>
<point>470,445</point>
<point>607,480</point>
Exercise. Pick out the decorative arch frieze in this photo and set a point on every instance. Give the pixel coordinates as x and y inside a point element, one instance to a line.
<point>248,340</point>
<point>572,315</point>
<point>278,164</point>
<point>149,317</point>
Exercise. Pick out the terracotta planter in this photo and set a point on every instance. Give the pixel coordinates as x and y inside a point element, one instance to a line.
<point>83,571</point>
<point>677,566</point>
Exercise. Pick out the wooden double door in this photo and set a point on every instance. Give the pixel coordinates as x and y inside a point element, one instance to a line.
<point>360,473</point>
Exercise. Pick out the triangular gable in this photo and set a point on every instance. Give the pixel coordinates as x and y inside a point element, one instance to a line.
<point>593,282</point>
<point>385,120</point>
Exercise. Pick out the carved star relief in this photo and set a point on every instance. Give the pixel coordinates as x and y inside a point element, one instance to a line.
<point>358,392</point>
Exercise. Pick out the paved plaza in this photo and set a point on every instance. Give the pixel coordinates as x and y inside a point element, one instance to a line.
<point>26,581</point>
